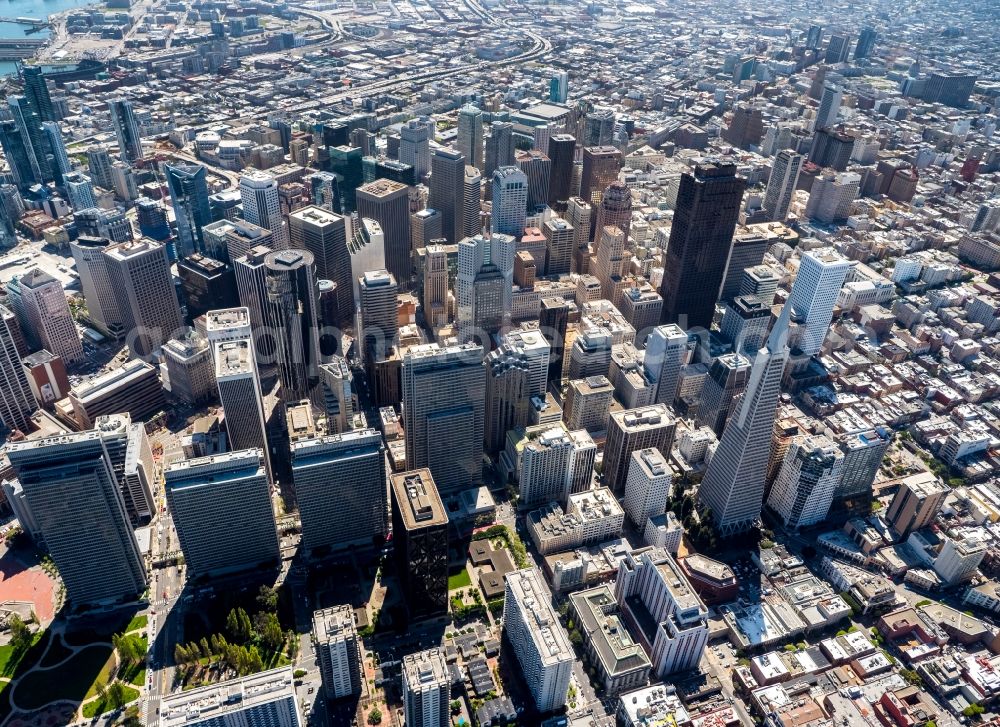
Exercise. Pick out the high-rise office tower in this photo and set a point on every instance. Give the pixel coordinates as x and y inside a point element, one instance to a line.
<point>324,190</point>
<point>18,154</point>
<point>228,491</point>
<point>30,128</point>
<point>579,213</point>
<point>444,392</point>
<point>803,492</point>
<point>208,284</point>
<point>426,689</point>
<point>63,476</point>
<point>236,376</point>
<point>324,234</point>
<point>559,236</point>
<point>814,295</point>
<point>510,200</point>
<point>647,486</point>
<point>340,490</point>
<point>746,128</point>
<point>611,263</point>
<point>615,210</point>
<point>727,379</point>
<point>916,504</point>
<point>537,167</point>
<point>346,161</point>
<point>838,49</point>
<point>47,316</point>
<point>733,486</point>
<point>425,225</point>
<point>553,322</point>
<point>559,87</point>
<point>601,165</point>
<point>507,395</point>
<point>388,203</point>
<point>267,697</point>
<point>420,541</point>
<point>831,148</point>
<point>365,252</point>
<point>123,181</point>
<point>538,639</point>
<point>562,150</point>
<point>546,465</point>
<point>37,92</point>
<point>666,353</point>
<point>708,205</point>
<point>469,141</point>
<point>190,369</point>
<point>338,398</point>
<point>750,244</point>
<point>829,106</point>
<point>472,195</point>
<point>832,196</point>
<point>499,147</point>
<point>744,323</point>
<point>631,430</point>
<point>290,312</point>
<point>251,284</point>
<point>80,191</point>
<point>814,36</point>
<point>139,273</point>
<point>414,145</point>
<point>126,129</point>
<point>781,184</point>
<point>863,454</point>
<point>435,288</point>
<point>379,318</point>
<point>189,198</point>
<point>17,403</point>
<point>950,89</point>
<point>599,127</point>
<point>338,649</point>
<point>447,193</point>
<point>262,206</point>
<point>53,139</point>
<point>99,165</point>
<point>483,292</point>
<point>95,281</point>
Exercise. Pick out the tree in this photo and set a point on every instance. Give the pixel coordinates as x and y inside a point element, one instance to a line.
<point>117,695</point>
<point>267,599</point>
<point>456,707</point>
<point>101,688</point>
<point>20,634</point>
<point>180,654</point>
<point>293,643</point>
<point>206,649</point>
<point>375,716</point>
<point>238,625</point>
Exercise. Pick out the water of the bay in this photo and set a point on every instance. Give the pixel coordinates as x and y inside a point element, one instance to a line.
<point>37,9</point>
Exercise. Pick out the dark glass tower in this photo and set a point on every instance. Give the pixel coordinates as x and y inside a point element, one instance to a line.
<point>189,197</point>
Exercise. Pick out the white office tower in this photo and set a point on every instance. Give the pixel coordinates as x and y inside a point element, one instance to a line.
<point>228,332</point>
<point>340,489</point>
<point>415,145</point>
<point>483,286</point>
<point>267,698</point>
<point>781,184</point>
<point>79,190</point>
<point>47,316</point>
<point>733,485</point>
<point>435,284</point>
<point>336,640</point>
<point>510,201</point>
<point>538,639</point>
<point>821,276</point>
<point>469,140</point>
<point>666,352</point>
<point>54,137</point>
<point>832,196</point>
<point>338,394</point>
<point>70,488</point>
<point>366,251</point>
<point>221,506</point>
<point>17,403</point>
<point>829,107</point>
<point>132,462</point>
<point>531,344</point>
<point>444,392</point>
<point>379,326</point>
<point>426,689</point>
<point>262,205</point>
<point>670,619</point>
<point>646,486</point>
<point>803,492</point>
<point>472,196</point>
<point>95,282</point>
<point>546,466</point>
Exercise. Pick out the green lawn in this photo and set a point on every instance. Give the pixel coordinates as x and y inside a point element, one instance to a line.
<point>104,675</point>
<point>9,660</point>
<point>98,706</point>
<point>459,580</point>
<point>139,677</point>
<point>137,622</point>
<point>71,680</point>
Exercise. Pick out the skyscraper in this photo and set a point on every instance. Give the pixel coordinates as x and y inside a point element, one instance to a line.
<point>139,274</point>
<point>601,165</point>
<point>30,128</point>
<point>337,647</point>
<point>18,154</point>
<point>499,147</point>
<point>425,225</point>
<point>420,541</point>
<point>95,281</point>
<point>562,149</point>
<point>733,486</point>
<point>379,318</point>
<point>17,403</point>
<point>340,490</point>
<point>469,141</point>
<point>80,191</point>
<point>230,492</point>
<point>63,476</point>
<point>814,294</point>
<point>631,430</point>
<point>189,198</point>
<point>37,92</point>
<point>388,203</point>
<point>447,193</point>
<point>510,200</point>
<point>708,205</point>
<point>916,504</point>
<point>559,87</point>
<point>538,639</point>
<point>666,353</point>
<point>537,167</point>
<point>727,379</point>
<point>47,315</point>
<point>346,162</point>
<point>262,206</point>
<point>443,393</point>
<point>838,49</point>
<point>324,234</point>
<point>414,145</point>
<point>126,129</point>
<point>53,140</point>
<point>829,106</point>
<point>435,290</point>
<point>99,165</point>
<point>599,127</point>
<point>507,395</point>
<point>483,292</point>
<point>472,195</point>
<point>559,236</point>
<point>615,210</point>
<point>781,184</point>
<point>832,196</point>
<point>647,486</point>
<point>290,312</point>
<point>426,689</point>
<point>863,453</point>
<point>802,493</point>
